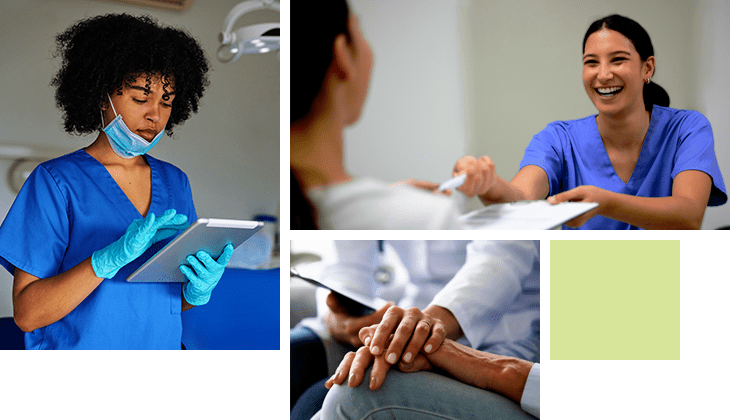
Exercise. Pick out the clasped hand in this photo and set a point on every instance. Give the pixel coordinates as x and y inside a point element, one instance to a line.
<point>411,329</point>
<point>343,326</point>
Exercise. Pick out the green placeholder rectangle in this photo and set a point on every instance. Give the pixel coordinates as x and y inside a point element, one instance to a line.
<point>614,300</point>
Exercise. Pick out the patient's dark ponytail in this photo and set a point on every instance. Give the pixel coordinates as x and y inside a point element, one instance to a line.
<point>653,93</point>
<point>314,27</point>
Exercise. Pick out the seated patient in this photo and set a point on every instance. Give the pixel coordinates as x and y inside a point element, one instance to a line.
<point>331,64</point>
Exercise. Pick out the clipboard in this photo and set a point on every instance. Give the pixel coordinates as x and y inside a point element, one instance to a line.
<point>209,235</point>
<point>355,303</point>
<point>527,214</point>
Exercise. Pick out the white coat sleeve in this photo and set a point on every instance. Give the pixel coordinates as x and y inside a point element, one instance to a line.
<point>488,283</point>
<point>530,401</point>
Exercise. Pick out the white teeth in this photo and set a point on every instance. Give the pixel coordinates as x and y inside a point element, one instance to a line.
<point>608,91</point>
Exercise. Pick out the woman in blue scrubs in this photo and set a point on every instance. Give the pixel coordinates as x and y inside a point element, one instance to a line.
<point>646,165</point>
<point>84,221</point>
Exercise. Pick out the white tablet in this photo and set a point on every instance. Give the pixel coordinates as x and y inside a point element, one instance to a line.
<point>210,235</point>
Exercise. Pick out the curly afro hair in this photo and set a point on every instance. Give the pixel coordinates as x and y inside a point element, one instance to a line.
<point>102,54</point>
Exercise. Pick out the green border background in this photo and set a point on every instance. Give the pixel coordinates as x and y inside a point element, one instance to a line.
<point>614,300</point>
<point>255,384</point>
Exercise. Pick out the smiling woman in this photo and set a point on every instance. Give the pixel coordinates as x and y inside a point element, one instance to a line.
<point>646,165</point>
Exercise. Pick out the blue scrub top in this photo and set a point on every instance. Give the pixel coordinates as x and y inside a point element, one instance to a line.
<point>572,154</point>
<point>70,207</point>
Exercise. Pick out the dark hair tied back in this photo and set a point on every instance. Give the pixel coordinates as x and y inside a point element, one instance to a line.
<point>653,93</point>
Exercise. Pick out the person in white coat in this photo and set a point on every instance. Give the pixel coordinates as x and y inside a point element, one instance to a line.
<point>483,294</point>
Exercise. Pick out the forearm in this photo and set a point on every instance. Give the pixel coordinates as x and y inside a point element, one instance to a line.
<point>41,302</point>
<point>655,212</point>
<point>502,192</point>
<point>530,183</point>
<point>501,374</point>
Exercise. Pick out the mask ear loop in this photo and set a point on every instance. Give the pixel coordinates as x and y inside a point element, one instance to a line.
<point>110,103</point>
<point>102,112</point>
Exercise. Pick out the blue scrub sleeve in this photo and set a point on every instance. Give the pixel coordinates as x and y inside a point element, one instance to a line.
<point>545,151</point>
<point>696,151</point>
<point>34,234</point>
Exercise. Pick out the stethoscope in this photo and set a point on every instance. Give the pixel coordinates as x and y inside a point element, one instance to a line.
<point>383,274</point>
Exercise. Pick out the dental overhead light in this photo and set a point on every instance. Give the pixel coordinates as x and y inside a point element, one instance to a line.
<point>252,39</point>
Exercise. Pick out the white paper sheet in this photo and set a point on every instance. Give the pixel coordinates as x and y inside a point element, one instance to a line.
<point>520,215</point>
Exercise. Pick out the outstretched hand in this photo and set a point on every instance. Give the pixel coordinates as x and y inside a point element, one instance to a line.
<point>481,175</point>
<point>423,185</point>
<point>587,194</point>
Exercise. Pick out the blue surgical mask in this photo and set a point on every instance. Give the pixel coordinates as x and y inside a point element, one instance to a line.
<point>123,141</point>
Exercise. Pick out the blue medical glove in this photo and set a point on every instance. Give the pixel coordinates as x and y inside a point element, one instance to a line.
<point>140,235</point>
<point>207,272</point>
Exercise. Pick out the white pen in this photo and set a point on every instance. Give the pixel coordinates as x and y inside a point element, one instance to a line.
<point>454,182</point>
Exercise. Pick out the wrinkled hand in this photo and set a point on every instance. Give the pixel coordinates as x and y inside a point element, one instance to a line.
<point>584,193</point>
<point>140,235</point>
<point>353,367</point>
<point>355,364</point>
<point>343,327</point>
<point>423,185</point>
<point>406,326</point>
<point>481,175</point>
<point>208,272</point>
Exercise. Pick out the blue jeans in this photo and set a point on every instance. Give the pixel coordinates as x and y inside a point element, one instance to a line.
<point>308,362</point>
<point>420,395</point>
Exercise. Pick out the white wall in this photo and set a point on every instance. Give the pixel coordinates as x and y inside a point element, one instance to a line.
<point>412,124</point>
<point>482,77</point>
<point>712,91</point>
<point>229,150</point>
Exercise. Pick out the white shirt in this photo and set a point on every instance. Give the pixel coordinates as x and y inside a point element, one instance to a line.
<point>530,401</point>
<point>495,296</point>
<point>371,204</point>
<point>491,287</point>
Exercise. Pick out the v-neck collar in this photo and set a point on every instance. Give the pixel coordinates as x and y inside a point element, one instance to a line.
<point>642,163</point>
<point>115,193</point>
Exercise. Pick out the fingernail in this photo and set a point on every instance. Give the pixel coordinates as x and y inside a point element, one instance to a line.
<point>373,382</point>
<point>391,358</point>
<point>367,340</point>
<point>407,358</point>
<point>352,379</point>
<point>428,348</point>
<point>375,350</point>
